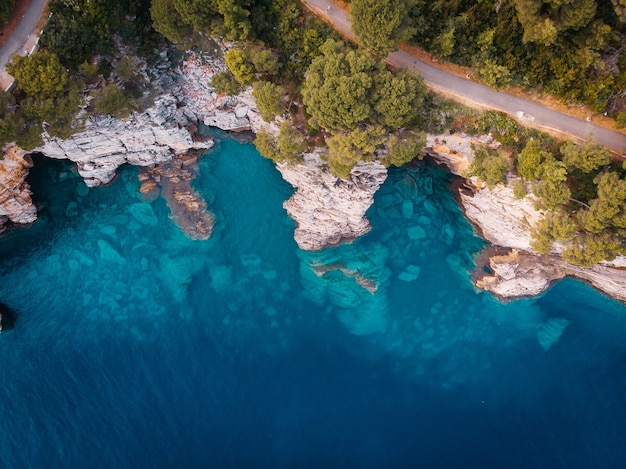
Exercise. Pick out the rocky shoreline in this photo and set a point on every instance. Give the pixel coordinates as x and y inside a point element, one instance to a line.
<point>327,210</point>
<point>515,270</point>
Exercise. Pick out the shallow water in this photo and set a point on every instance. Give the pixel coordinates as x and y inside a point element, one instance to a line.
<point>137,347</point>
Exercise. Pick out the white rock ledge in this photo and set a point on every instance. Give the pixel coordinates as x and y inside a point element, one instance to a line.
<point>326,209</point>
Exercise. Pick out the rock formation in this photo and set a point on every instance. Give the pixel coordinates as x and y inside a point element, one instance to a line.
<point>506,222</point>
<point>106,143</point>
<point>15,203</point>
<point>329,210</point>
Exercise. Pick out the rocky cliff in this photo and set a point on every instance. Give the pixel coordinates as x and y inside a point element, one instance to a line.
<point>326,209</point>
<point>15,203</point>
<point>505,221</point>
<point>106,143</point>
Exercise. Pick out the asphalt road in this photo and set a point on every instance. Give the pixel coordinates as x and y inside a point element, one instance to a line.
<point>20,40</point>
<point>525,111</point>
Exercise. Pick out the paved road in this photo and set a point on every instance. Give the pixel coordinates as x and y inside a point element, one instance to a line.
<point>22,40</point>
<point>527,112</point>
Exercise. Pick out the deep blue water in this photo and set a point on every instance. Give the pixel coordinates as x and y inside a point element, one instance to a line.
<point>137,347</point>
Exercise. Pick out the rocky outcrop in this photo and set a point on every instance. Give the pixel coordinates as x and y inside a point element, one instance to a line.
<point>455,150</point>
<point>106,143</point>
<point>506,221</point>
<point>7,317</point>
<point>520,274</point>
<point>15,202</point>
<point>326,209</point>
<point>503,219</point>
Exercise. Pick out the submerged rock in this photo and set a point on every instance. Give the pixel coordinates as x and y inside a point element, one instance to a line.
<point>109,254</point>
<point>550,332</point>
<point>144,214</point>
<point>188,209</point>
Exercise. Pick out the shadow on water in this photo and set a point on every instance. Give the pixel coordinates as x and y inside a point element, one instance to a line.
<point>7,317</point>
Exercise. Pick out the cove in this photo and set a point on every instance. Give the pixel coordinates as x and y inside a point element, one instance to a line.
<point>137,347</point>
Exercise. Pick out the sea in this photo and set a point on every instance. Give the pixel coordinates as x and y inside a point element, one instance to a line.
<point>137,347</point>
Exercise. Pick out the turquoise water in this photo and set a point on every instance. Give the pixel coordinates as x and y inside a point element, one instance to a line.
<point>137,347</point>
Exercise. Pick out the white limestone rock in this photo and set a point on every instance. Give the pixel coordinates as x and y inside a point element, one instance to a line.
<point>503,219</point>
<point>455,150</point>
<point>329,210</point>
<point>107,142</point>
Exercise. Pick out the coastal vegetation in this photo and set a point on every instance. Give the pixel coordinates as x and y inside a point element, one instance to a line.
<point>573,49</point>
<point>584,194</point>
<point>322,92</point>
<point>77,48</point>
<point>6,8</point>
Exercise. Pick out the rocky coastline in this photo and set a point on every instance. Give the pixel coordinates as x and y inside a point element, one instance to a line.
<point>16,205</point>
<point>327,210</point>
<point>510,268</point>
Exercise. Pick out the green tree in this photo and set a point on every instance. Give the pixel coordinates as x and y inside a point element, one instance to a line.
<point>399,98</point>
<point>264,60</point>
<point>489,166</point>
<point>608,210</point>
<point>287,148</point>
<point>6,8</point>
<point>529,160</point>
<point>167,20</point>
<point>78,29</point>
<point>225,83</point>
<point>493,75</point>
<point>443,45</point>
<point>113,101</point>
<point>291,144</point>
<point>39,75</point>
<point>588,248</point>
<point>380,25</point>
<point>202,14</point>
<point>267,145</point>
<point>555,226</point>
<point>237,26</point>
<point>239,65</point>
<point>403,147</point>
<point>587,158</point>
<point>543,20</point>
<point>551,187</point>
<point>338,85</point>
<point>127,69</point>
<point>519,189</point>
<point>346,149</point>
<point>269,98</point>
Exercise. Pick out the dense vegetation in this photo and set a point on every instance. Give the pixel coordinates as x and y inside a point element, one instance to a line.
<point>584,194</point>
<point>50,83</point>
<point>575,49</point>
<point>6,8</point>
